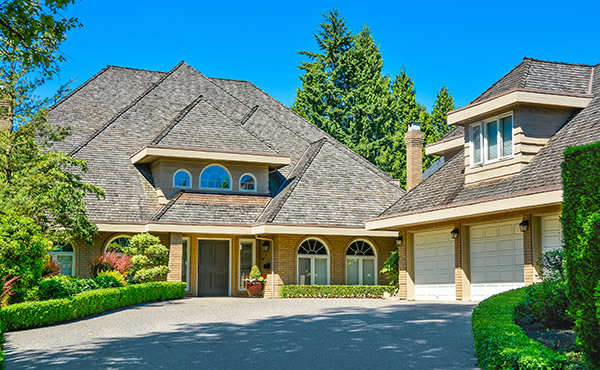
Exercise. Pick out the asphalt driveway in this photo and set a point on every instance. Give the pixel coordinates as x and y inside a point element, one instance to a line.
<point>244,333</point>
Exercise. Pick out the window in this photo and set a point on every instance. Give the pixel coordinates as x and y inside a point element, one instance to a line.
<point>182,179</point>
<point>64,255</point>
<point>247,260</point>
<point>313,263</point>
<point>185,264</point>
<point>117,244</point>
<point>215,177</point>
<point>247,182</point>
<point>361,264</point>
<point>492,140</point>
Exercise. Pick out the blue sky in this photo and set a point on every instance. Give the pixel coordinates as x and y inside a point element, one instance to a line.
<point>466,46</point>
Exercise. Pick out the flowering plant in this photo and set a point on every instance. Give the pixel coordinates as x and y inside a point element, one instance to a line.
<point>255,275</point>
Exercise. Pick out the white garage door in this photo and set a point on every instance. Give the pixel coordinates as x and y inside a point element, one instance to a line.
<point>551,233</point>
<point>496,259</point>
<point>434,266</point>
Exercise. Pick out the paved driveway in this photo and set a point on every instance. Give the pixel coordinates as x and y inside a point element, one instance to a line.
<point>244,333</point>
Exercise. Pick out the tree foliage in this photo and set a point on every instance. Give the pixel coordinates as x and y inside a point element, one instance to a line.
<point>149,257</point>
<point>344,92</point>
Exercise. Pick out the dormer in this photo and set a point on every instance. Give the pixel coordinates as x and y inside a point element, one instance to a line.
<point>213,171</point>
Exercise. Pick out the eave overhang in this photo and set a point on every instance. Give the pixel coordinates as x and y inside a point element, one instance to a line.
<point>150,153</point>
<point>470,209</point>
<point>517,96</point>
<point>443,146</point>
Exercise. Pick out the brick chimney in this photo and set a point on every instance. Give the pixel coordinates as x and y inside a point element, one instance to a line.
<point>5,121</point>
<point>414,155</point>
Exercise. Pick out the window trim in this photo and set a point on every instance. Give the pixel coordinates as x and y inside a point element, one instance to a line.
<point>255,183</point>
<point>242,287</point>
<point>189,262</point>
<point>484,139</point>
<point>55,254</point>
<point>188,173</point>
<point>312,260</point>
<point>113,239</point>
<point>360,264</point>
<point>215,189</point>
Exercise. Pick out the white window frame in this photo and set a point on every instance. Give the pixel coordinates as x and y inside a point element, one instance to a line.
<point>113,239</point>
<point>255,183</point>
<point>312,261</point>
<point>188,173</point>
<point>216,189</point>
<point>55,254</point>
<point>360,262</point>
<point>188,267</point>
<point>484,139</point>
<point>242,286</point>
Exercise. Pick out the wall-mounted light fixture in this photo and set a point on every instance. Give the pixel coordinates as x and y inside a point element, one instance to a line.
<point>454,233</point>
<point>265,246</point>
<point>399,240</point>
<point>524,226</point>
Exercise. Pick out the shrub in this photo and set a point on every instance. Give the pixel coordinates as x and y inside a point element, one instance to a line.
<point>43,313</point>
<point>581,238</point>
<point>8,285</point>
<point>551,263</point>
<point>116,275</point>
<point>390,267</point>
<point>111,261</point>
<point>148,256</point>
<point>335,291</point>
<point>545,303</point>
<point>55,287</point>
<point>51,268</point>
<point>501,344</point>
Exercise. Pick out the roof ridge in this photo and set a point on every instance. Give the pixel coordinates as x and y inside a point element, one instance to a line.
<point>161,212</point>
<point>591,83</point>
<point>555,62</point>
<point>226,79</point>
<point>526,77</point>
<point>310,153</point>
<point>165,131</point>
<point>248,114</point>
<point>497,81</point>
<point>135,69</point>
<point>89,80</point>
<point>122,111</point>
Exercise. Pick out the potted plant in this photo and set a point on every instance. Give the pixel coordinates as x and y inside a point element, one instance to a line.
<point>255,282</point>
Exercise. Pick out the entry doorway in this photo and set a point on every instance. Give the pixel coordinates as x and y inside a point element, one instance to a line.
<point>213,268</point>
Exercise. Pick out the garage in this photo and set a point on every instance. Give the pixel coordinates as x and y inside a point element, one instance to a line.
<point>434,266</point>
<point>496,259</point>
<point>551,233</point>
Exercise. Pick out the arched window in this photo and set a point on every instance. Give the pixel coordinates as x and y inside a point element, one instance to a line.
<point>117,244</point>
<point>247,182</point>
<point>361,264</point>
<point>215,177</point>
<point>313,263</point>
<point>64,255</point>
<point>182,179</point>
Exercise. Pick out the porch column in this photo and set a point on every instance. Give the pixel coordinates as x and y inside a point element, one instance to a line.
<point>175,257</point>
<point>529,265</point>
<point>462,271</point>
<point>406,288</point>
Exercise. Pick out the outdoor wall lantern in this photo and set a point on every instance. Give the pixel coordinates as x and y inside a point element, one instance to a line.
<point>399,240</point>
<point>265,246</point>
<point>454,233</point>
<point>524,226</point>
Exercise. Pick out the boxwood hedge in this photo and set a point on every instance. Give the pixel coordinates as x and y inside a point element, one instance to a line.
<point>44,313</point>
<point>335,291</point>
<point>502,344</point>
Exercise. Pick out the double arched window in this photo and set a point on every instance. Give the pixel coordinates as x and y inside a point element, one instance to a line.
<point>182,179</point>
<point>313,263</point>
<point>215,177</point>
<point>361,264</point>
<point>64,255</point>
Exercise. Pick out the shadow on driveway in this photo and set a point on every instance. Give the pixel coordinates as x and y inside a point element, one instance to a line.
<point>387,336</point>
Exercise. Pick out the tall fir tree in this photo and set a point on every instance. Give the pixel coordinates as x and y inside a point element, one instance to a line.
<point>444,103</point>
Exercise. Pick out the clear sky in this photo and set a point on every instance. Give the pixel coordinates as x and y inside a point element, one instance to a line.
<point>466,46</point>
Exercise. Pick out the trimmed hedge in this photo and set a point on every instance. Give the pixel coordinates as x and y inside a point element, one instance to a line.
<point>335,291</point>
<point>581,238</point>
<point>502,344</point>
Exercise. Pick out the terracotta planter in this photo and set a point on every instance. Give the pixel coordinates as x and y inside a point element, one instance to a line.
<point>255,288</point>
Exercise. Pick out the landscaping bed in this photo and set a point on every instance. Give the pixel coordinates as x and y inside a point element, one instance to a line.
<point>336,291</point>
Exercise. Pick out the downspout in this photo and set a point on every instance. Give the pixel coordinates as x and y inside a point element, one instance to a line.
<point>272,242</point>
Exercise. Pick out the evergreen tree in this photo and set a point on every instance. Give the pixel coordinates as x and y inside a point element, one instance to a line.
<point>444,103</point>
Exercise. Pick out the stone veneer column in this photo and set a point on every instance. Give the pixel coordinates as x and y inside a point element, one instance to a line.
<point>528,252</point>
<point>403,267</point>
<point>458,264</point>
<point>175,257</point>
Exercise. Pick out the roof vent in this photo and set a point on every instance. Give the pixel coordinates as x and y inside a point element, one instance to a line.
<point>414,126</point>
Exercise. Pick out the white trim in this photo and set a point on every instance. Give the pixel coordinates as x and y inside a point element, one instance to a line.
<point>188,257</point>
<point>198,263</point>
<point>113,239</point>
<point>493,206</point>
<point>240,183</point>
<point>361,259</point>
<point>320,230</point>
<point>188,173</point>
<point>312,258</point>
<point>242,287</point>
<point>441,147</point>
<point>55,254</point>
<point>217,189</point>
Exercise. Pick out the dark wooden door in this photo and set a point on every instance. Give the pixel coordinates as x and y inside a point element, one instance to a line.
<point>213,268</point>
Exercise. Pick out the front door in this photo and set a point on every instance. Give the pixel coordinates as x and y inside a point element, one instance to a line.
<point>213,268</point>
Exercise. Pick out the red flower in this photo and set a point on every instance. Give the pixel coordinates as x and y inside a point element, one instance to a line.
<point>248,277</point>
<point>264,276</point>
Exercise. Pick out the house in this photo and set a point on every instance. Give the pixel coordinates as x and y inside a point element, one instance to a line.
<point>227,177</point>
<point>477,225</point>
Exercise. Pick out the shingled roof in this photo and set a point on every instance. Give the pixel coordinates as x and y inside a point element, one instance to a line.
<point>120,110</point>
<point>446,187</point>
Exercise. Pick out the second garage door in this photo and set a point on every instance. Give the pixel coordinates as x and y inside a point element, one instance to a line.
<point>434,266</point>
